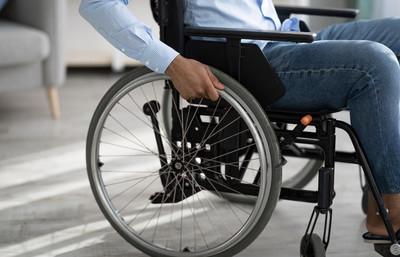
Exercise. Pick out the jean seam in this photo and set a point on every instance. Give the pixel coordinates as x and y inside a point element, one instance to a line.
<point>380,128</point>
<point>324,70</point>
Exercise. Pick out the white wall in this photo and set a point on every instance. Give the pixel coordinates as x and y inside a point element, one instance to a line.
<point>317,23</point>
<point>85,47</point>
<point>386,8</point>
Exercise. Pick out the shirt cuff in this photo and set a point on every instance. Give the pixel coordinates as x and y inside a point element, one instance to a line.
<point>157,56</point>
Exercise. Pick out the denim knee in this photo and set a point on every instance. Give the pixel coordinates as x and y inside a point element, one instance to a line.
<point>371,55</point>
<point>378,64</point>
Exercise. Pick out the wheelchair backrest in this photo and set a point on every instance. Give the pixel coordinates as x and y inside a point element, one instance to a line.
<point>244,62</point>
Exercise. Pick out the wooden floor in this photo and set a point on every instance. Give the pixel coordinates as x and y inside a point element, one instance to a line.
<point>47,209</point>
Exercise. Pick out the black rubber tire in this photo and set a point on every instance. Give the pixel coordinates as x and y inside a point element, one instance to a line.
<point>304,175</point>
<point>315,247</point>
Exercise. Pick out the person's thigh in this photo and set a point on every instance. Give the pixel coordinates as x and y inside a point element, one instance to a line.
<point>384,31</point>
<point>326,74</point>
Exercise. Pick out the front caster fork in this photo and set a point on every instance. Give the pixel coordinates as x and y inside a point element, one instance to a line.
<point>326,194</point>
<point>308,237</point>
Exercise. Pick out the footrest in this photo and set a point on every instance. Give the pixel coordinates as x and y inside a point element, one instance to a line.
<point>385,250</point>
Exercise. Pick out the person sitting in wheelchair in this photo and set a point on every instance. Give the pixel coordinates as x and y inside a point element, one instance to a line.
<point>353,65</point>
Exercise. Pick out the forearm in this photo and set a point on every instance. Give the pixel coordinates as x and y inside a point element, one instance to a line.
<point>116,23</point>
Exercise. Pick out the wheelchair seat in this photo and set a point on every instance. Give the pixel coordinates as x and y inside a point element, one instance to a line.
<point>318,113</point>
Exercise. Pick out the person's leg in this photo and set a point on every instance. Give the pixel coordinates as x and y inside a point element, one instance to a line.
<point>384,31</point>
<point>374,222</point>
<point>361,75</point>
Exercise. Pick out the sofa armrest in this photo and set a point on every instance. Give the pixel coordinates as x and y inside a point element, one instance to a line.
<point>48,16</point>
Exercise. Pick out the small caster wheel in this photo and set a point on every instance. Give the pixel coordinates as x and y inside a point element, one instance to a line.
<point>364,201</point>
<point>312,246</point>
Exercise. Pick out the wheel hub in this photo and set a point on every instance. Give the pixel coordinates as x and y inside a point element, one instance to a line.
<point>177,166</point>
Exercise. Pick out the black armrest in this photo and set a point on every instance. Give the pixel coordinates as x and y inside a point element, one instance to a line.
<point>333,12</point>
<point>300,37</point>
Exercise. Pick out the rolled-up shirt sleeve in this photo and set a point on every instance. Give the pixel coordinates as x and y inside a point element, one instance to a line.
<point>117,24</point>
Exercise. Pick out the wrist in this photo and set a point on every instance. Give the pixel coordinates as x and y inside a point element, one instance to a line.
<point>174,65</point>
<point>157,56</point>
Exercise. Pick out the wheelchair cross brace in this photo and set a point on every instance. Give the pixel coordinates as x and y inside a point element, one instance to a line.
<point>325,135</point>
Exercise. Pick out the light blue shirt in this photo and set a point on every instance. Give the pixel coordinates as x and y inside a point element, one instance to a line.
<point>115,22</point>
<point>240,14</point>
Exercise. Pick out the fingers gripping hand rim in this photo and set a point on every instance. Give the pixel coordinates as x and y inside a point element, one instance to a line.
<point>212,92</point>
<point>193,79</point>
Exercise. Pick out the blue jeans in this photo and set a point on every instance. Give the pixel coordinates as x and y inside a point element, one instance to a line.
<point>356,66</point>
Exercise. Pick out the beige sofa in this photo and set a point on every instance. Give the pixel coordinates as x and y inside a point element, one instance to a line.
<point>32,47</point>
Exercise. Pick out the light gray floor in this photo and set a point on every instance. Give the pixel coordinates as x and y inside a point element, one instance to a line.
<point>47,209</point>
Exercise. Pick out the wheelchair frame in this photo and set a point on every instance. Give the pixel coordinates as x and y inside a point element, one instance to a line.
<point>175,34</point>
<point>184,164</point>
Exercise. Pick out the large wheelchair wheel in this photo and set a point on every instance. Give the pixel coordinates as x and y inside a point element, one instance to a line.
<point>164,191</point>
<point>298,172</point>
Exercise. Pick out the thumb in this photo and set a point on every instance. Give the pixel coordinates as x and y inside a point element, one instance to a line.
<point>214,80</point>
<point>212,94</point>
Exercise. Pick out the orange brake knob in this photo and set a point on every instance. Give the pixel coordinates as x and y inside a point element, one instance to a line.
<point>306,120</point>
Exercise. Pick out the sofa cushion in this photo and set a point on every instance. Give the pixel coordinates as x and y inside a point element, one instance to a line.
<point>20,44</point>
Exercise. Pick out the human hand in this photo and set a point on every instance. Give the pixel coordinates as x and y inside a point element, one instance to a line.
<point>193,79</point>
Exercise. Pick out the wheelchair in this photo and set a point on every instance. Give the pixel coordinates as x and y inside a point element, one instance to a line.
<point>202,178</point>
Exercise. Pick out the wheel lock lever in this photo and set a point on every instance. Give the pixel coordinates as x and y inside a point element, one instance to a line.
<point>289,138</point>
